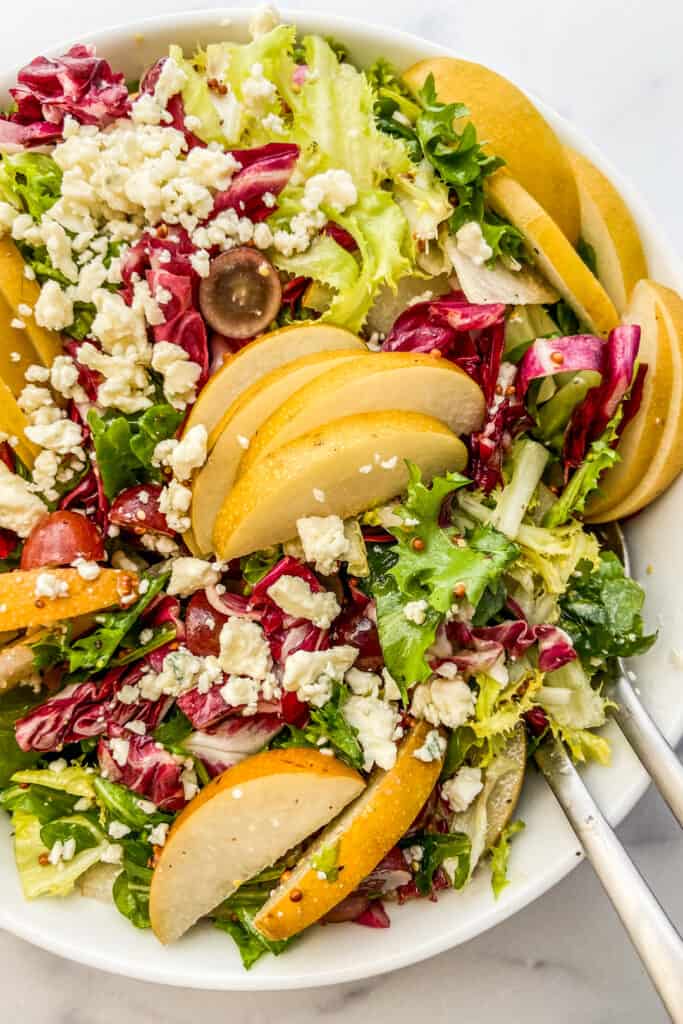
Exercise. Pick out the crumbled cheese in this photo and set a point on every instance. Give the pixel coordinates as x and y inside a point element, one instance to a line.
<point>257,90</point>
<point>190,453</point>
<point>191,574</point>
<point>333,188</point>
<point>416,611</point>
<point>120,748</point>
<point>471,243</point>
<point>295,596</point>
<point>111,854</point>
<point>174,503</point>
<point>461,790</point>
<point>179,372</point>
<point>244,650</point>
<point>433,748</point>
<point>376,722</point>
<point>157,835</point>
<point>117,829</point>
<point>61,435</point>
<point>324,541</point>
<point>181,671</point>
<point>53,309</point>
<point>312,674</point>
<point>201,263</point>
<point>188,778</point>
<point>50,586</point>
<point>64,379</point>
<point>363,684</point>
<point>20,510</point>
<point>448,702</point>
<point>86,570</point>
<point>263,236</point>
<point>138,727</point>
<point>242,691</point>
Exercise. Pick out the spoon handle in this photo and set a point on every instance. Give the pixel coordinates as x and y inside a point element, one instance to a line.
<point>655,939</point>
<point>655,754</point>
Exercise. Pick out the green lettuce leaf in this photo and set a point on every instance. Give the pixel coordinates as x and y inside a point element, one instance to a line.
<point>30,181</point>
<point>327,723</point>
<point>436,848</point>
<point>500,855</point>
<point>73,780</point>
<point>122,804</point>
<point>13,705</point>
<point>96,650</point>
<point>252,945</point>
<point>601,455</point>
<point>197,101</point>
<point>41,879</point>
<point>124,445</point>
<point>324,261</point>
<point>385,247</point>
<point>43,803</point>
<point>601,611</point>
<point>131,887</point>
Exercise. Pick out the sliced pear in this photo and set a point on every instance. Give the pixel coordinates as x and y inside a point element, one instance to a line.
<point>512,127</point>
<point>644,435</point>
<point>17,290</point>
<point>242,822</point>
<point>16,351</point>
<point>360,837</point>
<point>607,225</point>
<point>260,357</point>
<point>483,284</point>
<point>239,424</point>
<point>503,795</point>
<point>552,253</point>
<point>23,603</point>
<point>345,467</point>
<point>13,422</point>
<point>389,380</point>
<point>659,422</point>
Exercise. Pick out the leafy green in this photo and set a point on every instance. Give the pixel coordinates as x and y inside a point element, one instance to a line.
<point>173,730</point>
<point>250,942</point>
<point>79,827</point>
<point>326,861</point>
<point>133,649</point>
<point>565,317</point>
<point>324,261</point>
<point>392,97</point>
<point>131,887</point>
<point>385,247</point>
<point>255,566</point>
<point>43,803</point>
<point>124,445</point>
<point>601,611</point>
<point>327,723</point>
<point>96,650</point>
<point>43,879</point>
<point>601,455</point>
<point>14,705</point>
<point>436,566</point>
<point>197,101</point>
<point>30,181</point>
<point>122,804</point>
<point>500,855</point>
<point>460,742</point>
<point>436,848</point>
<point>74,780</point>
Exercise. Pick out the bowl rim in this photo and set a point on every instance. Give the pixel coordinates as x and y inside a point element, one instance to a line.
<point>64,945</point>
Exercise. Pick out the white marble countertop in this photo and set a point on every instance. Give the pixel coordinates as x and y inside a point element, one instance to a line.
<point>614,68</point>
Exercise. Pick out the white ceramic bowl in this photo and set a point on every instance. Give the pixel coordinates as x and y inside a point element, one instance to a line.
<point>95,934</point>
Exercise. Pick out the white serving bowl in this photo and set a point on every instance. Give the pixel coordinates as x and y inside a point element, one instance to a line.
<point>95,934</point>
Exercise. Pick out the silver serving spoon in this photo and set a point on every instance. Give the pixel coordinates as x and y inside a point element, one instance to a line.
<point>655,939</point>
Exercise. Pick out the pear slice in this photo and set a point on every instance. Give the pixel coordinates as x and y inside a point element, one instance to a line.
<point>607,226</point>
<point>552,253</point>
<point>240,823</point>
<point>22,607</point>
<point>16,290</point>
<point>13,422</point>
<point>359,838</point>
<point>644,435</point>
<point>658,427</point>
<point>16,351</point>
<point>343,468</point>
<point>484,284</point>
<point>260,357</point>
<point>512,128</point>
<point>389,380</point>
<point>238,425</point>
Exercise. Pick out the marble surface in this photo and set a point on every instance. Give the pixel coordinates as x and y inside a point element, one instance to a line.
<point>613,67</point>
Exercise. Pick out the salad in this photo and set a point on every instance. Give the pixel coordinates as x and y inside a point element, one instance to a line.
<point>315,382</point>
